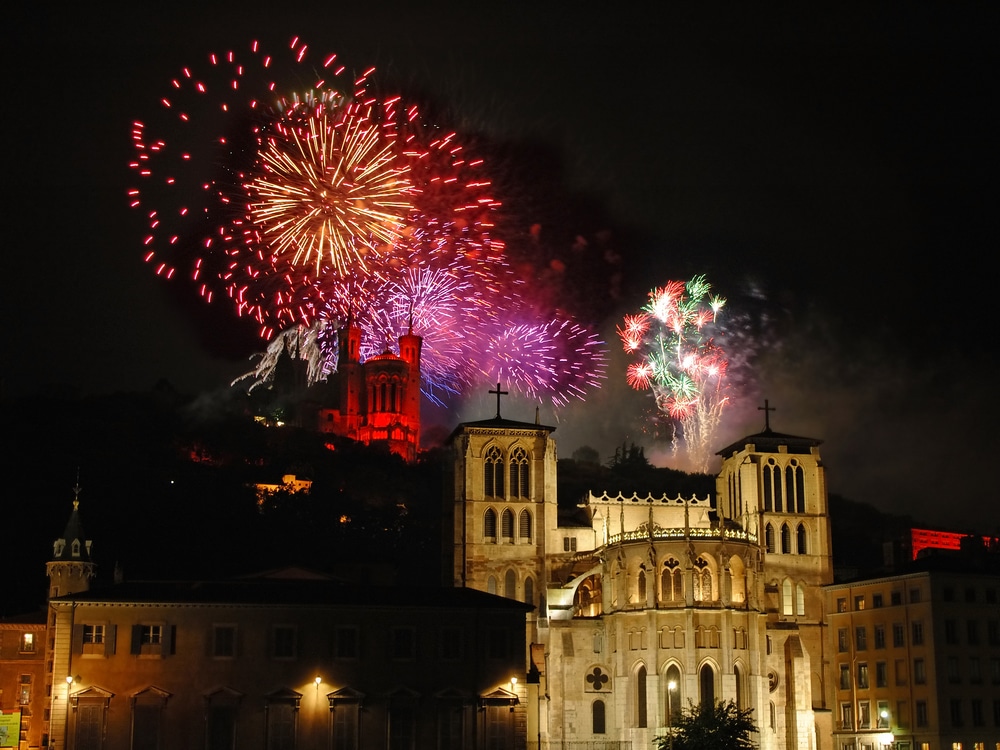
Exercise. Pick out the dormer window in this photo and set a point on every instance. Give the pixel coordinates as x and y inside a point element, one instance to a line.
<point>76,548</point>
<point>58,547</point>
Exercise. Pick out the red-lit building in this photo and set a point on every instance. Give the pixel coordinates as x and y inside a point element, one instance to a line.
<point>378,399</point>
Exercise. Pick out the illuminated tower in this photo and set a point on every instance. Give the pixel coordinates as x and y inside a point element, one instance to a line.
<point>378,399</point>
<point>500,507</point>
<point>774,485</point>
<point>71,569</point>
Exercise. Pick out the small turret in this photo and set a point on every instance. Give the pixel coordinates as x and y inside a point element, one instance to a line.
<point>71,568</point>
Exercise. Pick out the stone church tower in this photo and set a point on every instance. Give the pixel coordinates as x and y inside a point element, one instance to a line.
<point>501,507</point>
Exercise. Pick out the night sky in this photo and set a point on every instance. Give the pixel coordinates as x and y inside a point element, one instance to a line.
<point>834,171</point>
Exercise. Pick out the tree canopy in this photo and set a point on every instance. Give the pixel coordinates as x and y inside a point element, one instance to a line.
<point>723,726</point>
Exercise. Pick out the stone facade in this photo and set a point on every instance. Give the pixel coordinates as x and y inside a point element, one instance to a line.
<point>659,602</point>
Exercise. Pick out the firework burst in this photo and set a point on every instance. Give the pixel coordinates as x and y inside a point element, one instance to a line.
<point>680,361</point>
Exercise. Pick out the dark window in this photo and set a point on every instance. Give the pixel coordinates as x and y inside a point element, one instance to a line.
<point>284,642</point>
<point>403,643</point>
<point>224,641</point>
<point>898,634</point>
<point>876,601</point>
<point>880,636</point>
<point>598,717</point>
<point>950,632</point>
<point>347,643</point>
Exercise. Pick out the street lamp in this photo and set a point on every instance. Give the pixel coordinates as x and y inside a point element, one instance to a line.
<point>671,687</point>
<point>69,684</point>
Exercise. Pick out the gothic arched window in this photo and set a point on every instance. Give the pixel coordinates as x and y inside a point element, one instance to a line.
<point>767,488</point>
<point>786,597</point>
<point>529,590</point>
<point>510,585</point>
<point>769,538</point>
<point>490,525</point>
<point>519,485</point>
<point>800,539</point>
<point>707,681</point>
<point>779,494</point>
<point>800,600</point>
<point>597,717</point>
<point>493,473</point>
<point>800,490</point>
<point>524,526</point>
<point>641,584</point>
<point>507,525</point>
<point>640,697</point>
<point>786,539</point>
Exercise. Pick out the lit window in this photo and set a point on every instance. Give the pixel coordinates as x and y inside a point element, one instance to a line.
<point>27,643</point>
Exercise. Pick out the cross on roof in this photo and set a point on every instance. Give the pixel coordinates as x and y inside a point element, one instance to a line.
<point>767,409</point>
<point>499,393</point>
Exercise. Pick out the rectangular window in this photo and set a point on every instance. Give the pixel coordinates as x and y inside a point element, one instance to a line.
<point>450,644</point>
<point>93,634</point>
<point>151,635</point>
<point>921,713</point>
<point>846,716</point>
<point>843,641</point>
<point>898,635</point>
<point>996,712</point>
<point>952,668</point>
<point>24,690</point>
<point>283,641</point>
<point>955,709</point>
<point>27,643</point>
<point>862,676</point>
<point>896,597</point>
<point>224,641</point>
<point>917,629</point>
<point>346,643</point>
<point>859,603</point>
<point>876,601</point>
<point>948,594</point>
<point>880,636</point>
<point>881,674</point>
<point>569,544</point>
<point>977,712</point>
<point>950,632</point>
<point>861,638</point>
<point>404,646</point>
<point>842,605</point>
<point>152,640</point>
<point>882,719</point>
<point>914,596</point>
<point>845,677</point>
<point>900,668</point>
<point>864,715</point>
<point>993,632</point>
<point>919,673</point>
<point>975,671</point>
<point>902,714</point>
<point>995,670</point>
<point>972,632</point>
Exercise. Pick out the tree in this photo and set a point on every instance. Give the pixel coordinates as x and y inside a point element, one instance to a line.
<point>723,726</point>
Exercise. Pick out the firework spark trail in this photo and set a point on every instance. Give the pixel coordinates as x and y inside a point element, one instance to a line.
<point>310,205</point>
<point>680,361</point>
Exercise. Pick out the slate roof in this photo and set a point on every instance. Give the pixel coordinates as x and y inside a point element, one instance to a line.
<point>281,592</point>
<point>769,441</point>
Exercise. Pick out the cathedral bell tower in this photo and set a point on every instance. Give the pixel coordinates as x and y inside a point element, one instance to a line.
<point>500,500</point>
<point>774,486</point>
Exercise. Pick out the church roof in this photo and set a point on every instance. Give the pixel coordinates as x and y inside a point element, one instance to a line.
<point>73,532</point>
<point>292,592</point>
<point>769,441</point>
<point>499,423</point>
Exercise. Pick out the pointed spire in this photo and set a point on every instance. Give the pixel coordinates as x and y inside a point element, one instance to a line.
<point>73,545</point>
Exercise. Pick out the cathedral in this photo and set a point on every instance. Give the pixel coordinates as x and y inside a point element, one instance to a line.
<point>377,400</point>
<point>656,603</point>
